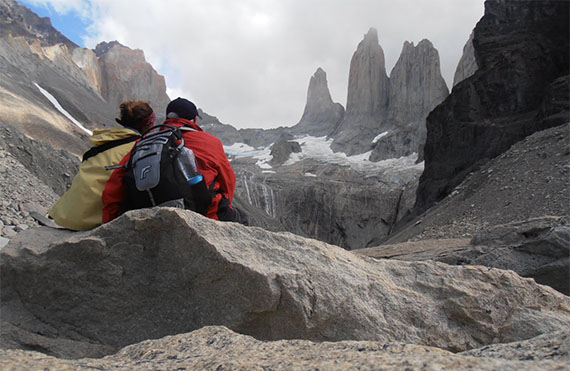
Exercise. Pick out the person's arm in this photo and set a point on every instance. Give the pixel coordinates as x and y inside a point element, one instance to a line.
<point>115,192</point>
<point>226,176</point>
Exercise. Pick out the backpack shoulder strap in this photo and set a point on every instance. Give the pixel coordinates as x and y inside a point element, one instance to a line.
<point>94,151</point>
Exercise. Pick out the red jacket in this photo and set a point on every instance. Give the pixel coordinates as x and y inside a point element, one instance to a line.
<point>212,161</point>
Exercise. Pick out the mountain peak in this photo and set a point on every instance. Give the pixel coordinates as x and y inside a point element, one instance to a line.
<point>321,114</point>
<point>371,35</point>
<point>103,47</point>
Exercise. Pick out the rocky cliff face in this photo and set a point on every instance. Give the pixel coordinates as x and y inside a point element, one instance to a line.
<point>35,57</point>
<point>416,84</point>
<point>321,114</point>
<point>367,100</point>
<point>387,115</point>
<point>127,75</point>
<point>416,87</point>
<point>314,199</point>
<point>522,50</point>
<point>467,64</point>
<point>25,67</point>
<point>87,60</point>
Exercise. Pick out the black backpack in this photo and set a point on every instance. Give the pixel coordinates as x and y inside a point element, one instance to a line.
<point>153,178</point>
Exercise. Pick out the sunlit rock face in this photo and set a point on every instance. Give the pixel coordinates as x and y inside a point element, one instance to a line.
<point>87,84</point>
<point>127,75</point>
<point>87,60</point>
<point>521,86</point>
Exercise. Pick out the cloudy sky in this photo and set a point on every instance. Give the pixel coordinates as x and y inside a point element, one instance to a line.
<point>249,62</point>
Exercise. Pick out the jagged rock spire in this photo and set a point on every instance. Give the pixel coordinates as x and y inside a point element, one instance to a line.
<point>416,84</point>
<point>367,81</point>
<point>321,114</point>
<point>367,98</point>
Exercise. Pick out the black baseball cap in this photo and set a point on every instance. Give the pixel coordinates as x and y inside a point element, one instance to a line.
<point>183,108</point>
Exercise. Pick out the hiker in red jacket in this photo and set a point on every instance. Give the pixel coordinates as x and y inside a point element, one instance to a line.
<point>211,158</point>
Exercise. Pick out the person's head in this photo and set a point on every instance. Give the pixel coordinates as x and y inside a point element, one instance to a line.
<point>136,115</point>
<point>182,108</point>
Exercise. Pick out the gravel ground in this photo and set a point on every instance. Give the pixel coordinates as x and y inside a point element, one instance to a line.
<point>530,180</point>
<point>21,193</point>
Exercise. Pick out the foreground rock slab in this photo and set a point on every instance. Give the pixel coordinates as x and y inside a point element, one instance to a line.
<point>218,348</point>
<point>162,271</point>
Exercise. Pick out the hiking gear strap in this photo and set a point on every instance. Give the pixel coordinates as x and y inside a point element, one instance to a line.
<point>94,151</point>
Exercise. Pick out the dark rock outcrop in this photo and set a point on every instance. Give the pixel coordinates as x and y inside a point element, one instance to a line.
<point>367,101</point>
<point>281,151</point>
<point>522,50</point>
<point>321,114</point>
<point>164,271</point>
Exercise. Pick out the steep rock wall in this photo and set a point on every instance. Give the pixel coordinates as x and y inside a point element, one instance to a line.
<point>522,51</point>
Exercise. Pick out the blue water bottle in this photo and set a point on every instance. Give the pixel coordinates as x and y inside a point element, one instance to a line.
<point>186,162</point>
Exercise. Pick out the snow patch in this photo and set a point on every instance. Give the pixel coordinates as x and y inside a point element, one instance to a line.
<point>379,136</point>
<point>310,175</point>
<point>58,106</point>
<point>319,148</point>
<point>263,164</point>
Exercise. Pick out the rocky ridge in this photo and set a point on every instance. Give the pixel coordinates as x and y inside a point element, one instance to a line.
<point>530,180</point>
<point>511,214</point>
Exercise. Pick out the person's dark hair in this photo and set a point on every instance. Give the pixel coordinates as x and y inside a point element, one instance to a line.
<point>136,114</point>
